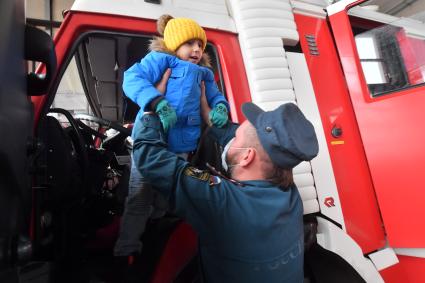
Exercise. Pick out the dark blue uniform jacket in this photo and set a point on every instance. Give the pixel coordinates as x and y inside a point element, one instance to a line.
<point>250,233</point>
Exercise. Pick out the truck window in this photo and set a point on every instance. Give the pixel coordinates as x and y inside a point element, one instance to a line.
<point>92,81</point>
<point>392,58</point>
<point>70,94</point>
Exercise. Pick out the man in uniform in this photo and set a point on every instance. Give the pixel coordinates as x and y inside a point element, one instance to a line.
<point>250,226</point>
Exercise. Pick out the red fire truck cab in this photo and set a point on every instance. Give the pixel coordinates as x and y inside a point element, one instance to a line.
<point>356,73</point>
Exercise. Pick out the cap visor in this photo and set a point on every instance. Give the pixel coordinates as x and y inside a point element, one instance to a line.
<point>251,112</point>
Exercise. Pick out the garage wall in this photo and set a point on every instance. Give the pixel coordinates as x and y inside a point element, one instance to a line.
<point>40,9</point>
<point>416,7</point>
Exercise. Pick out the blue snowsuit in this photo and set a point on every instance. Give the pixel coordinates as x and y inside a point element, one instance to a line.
<point>183,93</point>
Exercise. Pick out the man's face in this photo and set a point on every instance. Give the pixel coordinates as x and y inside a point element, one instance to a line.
<point>190,51</point>
<point>233,154</point>
<point>240,136</point>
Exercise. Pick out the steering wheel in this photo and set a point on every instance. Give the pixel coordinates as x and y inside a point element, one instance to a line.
<point>104,123</point>
<point>80,143</point>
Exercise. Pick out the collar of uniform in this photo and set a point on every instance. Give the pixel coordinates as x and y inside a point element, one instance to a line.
<point>258,183</point>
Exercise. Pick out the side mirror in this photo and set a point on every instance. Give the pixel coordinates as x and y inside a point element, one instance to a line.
<point>39,47</point>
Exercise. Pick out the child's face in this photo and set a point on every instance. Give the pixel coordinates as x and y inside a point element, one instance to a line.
<point>190,51</point>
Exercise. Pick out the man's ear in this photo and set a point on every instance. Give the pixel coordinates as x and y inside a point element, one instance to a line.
<point>248,157</point>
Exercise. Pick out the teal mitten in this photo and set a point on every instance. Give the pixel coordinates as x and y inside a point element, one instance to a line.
<point>218,116</point>
<point>166,114</point>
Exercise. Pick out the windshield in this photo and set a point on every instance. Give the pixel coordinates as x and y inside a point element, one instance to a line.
<point>391,48</point>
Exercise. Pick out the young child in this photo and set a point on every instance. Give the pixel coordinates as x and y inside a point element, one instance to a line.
<point>181,49</point>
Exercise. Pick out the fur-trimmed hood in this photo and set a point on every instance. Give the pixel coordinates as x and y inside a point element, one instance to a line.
<point>157,44</point>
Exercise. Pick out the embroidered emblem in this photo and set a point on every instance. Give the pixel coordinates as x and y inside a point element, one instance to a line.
<point>197,174</point>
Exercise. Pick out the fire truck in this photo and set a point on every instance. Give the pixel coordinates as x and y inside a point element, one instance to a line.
<point>356,73</point>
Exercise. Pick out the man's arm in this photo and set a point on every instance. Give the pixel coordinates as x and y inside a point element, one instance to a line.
<point>195,194</point>
<point>213,94</point>
<point>205,108</point>
<point>223,135</point>
<point>151,156</point>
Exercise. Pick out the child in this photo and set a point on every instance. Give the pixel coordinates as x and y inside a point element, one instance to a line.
<point>182,50</point>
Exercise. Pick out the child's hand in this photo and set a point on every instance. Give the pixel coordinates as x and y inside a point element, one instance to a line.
<point>166,114</point>
<point>218,115</point>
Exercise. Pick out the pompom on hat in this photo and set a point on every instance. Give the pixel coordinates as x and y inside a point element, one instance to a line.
<point>177,31</point>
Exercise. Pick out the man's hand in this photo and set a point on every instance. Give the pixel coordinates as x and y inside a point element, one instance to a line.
<point>161,86</point>
<point>166,114</point>
<point>205,108</point>
<point>218,115</point>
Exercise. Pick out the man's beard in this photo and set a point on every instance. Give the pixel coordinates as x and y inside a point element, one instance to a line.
<point>231,163</point>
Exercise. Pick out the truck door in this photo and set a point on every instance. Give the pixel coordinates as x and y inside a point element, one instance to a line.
<point>19,43</point>
<point>384,65</point>
<point>15,129</point>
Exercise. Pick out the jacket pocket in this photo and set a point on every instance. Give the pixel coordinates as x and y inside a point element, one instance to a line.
<point>192,130</point>
<point>177,72</point>
<point>175,87</point>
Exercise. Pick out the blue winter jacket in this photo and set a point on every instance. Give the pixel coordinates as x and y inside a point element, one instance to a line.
<point>183,93</point>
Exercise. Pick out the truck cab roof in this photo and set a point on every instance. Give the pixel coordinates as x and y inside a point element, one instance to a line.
<point>210,14</point>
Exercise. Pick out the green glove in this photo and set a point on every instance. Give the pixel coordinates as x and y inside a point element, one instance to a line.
<point>218,116</point>
<point>166,114</point>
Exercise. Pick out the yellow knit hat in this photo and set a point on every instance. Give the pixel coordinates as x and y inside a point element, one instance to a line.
<point>179,30</point>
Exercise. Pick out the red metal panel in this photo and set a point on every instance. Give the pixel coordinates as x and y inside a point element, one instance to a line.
<point>359,206</point>
<point>408,270</point>
<point>76,23</point>
<point>393,134</point>
<point>181,248</point>
<point>235,80</point>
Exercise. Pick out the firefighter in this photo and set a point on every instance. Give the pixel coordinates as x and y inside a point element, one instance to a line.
<point>250,226</point>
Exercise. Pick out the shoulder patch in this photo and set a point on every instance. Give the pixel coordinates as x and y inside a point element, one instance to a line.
<point>197,174</point>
